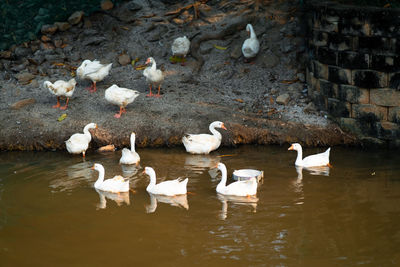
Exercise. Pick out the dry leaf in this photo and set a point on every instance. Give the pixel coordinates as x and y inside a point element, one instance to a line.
<point>239,100</point>
<point>62,117</point>
<point>220,47</point>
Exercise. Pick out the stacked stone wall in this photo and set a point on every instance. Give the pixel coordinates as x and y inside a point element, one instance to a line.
<point>353,68</point>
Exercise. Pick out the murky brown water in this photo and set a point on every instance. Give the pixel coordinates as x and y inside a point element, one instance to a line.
<point>50,214</point>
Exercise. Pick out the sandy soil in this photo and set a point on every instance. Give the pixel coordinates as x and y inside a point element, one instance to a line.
<point>225,88</point>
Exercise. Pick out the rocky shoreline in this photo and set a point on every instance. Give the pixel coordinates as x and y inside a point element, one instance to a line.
<point>261,103</point>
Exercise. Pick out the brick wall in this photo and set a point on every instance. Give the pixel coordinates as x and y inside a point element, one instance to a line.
<point>353,68</point>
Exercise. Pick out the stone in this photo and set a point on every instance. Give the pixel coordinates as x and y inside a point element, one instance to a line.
<point>326,55</point>
<point>385,97</point>
<point>106,5</point>
<point>310,108</point>
<point>287,45</point>
<point>350,125</point>
<point>124,59</point>
<point>269,60</point>
<point>301,77</point>
<point>394,81</point>
<point>327,88</point>
<point>24,77</point>
<point>320,38</point>
<point>94,40</point>
<point>76,17</point>
<point>320,70</point>
<point>22,103</point>
<point>353,94</point>
<point>337,108</point>
<point>394,114</point>
<point>388,130</point>
<point>47,46</point>
<point>236,52</point>
<point>295,87</point>
<point>45,38</point>
<point>369,112</point>
<point>58,43</point>
<point>353,60</point>
<point>22,51</point>
<point>62,26</point>
<point>283,99</point>
<point>339,75</point>
<point>48,29</point>
<point>369,79</point>
<point>6,54</point>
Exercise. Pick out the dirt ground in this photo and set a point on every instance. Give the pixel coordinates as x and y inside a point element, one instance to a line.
<point>242,95</point>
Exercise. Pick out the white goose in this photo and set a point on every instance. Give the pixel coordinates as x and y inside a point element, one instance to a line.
<point>94,71</point>
<point>167,188</point>
<point>180,48</point>
<point>121,97</point>
<point>114,185</point>
<point>79,143</point>
<point>61,88</point>
<point>321,159</point>
<point>204,143</point>
<point>238,188</point>
<point>251,46</point>
<point>153,76</point>
<point>130,156</point>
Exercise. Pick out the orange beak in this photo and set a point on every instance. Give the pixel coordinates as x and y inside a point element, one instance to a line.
<point>96,126</point>
<point>290,148</point>
<point>223,127</point>
<point>144,171</point>
<point>147,61</point>
<point>92,167</point>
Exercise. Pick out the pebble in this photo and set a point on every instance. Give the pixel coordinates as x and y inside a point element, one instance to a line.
<point>76,17</point>
<point>124,59</point>
<point>48,29</point>
<point>62,26</point>
<point>5,54</point>
<point>106,5</point>
<point>22,51</point>
<point>45,38</point>
<point>283,99</point>
<point>22,103</point>
<point>24,77</point>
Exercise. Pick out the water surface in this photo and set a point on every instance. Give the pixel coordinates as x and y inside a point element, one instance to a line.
<point>50,214</point>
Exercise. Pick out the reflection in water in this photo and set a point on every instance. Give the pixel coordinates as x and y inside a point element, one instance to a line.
<point>177,201</point>
<point>77,175</point>
<point>246,201</point>
<point>129,171</point>
<point>200,163</point>
<point>119,198</point>
<point>321,170</point>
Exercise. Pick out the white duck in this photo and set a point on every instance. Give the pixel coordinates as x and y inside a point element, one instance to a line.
<point>180,48</point>
<point>120,96</point>
<point>94,71</point>
<point>251,46</point>
<point>114,185</point>
<point>321,159</point>
<point>130,156</point>
<point>153,76</point>
<point>61,88</point>
<point>79,143</point>
<point>238,188</point>
<point>167,188</point>
<point>204,143</point>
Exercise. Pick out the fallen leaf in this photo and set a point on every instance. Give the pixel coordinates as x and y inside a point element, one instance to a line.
<point>58,64</point>
<point>175,59</point>
<point>125,28</point>
<point>73,74</point>
<point>220,47</point>
<point>107,148</point>
<point>228,155</point>
<point>64,45</point>
<point>290,81</point>
<point>239,100</point>
<point>387,5</point>
<point>62,117</point>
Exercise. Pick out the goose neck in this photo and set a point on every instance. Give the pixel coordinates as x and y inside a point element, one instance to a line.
<point>86,131</point>
<point>100,179</point>
<point>214,131</point>
<point>132,143</point>
<point>299,159</point>
<point>222,183</point>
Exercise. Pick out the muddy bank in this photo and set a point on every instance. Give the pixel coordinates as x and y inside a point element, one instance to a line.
<point>261,103</point>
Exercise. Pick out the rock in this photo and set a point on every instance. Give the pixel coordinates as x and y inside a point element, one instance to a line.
<point>48,29</point>
<point>269,60</point>
<point>295,87</point>
<point>45,38</point>
<point>310,108</point>
<point>47,46</point>
<point>22,51</point>
<point>236,52</point>
<point>58,43</point>
<point>94,40</point>
<point>106,5</point>
<point>5,54</point>
<point>75,56</point>
<point>34,83</point>
<point>76,17</point>
<point>127,11</point>
<point>24,77</point>
<point>124,59</point>
<point>19,67</point>
<point>287,45</point>
<point>283,99</point>
<point>22,103</point>
<point>62,26</point>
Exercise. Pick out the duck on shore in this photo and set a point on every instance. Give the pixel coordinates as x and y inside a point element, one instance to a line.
<point>153,76</point>
<point>61,89</point>
<point>94,71</point>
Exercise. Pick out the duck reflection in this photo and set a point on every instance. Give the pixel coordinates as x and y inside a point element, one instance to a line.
<point>320,170</point>
<point>77,175</point>
<point>119,198</point>
<point>129,171</point>
<point>177,201</point>
<point>246,201</point>
<point>200,163</point>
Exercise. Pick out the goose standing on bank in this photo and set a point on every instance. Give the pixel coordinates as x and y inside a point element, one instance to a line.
<point>121,97</point>
<point>61,88</point>
<point>180,48</point>
<point>321,159</point>
<point>130,156</point>
<point>153,76</point>
<point>94,71</point>
<point>167,188</point>
<point>79,143</point>
<point>204,143</point>
<point>238,188</point>
<point>113,185</point>
<point>251,46</point>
